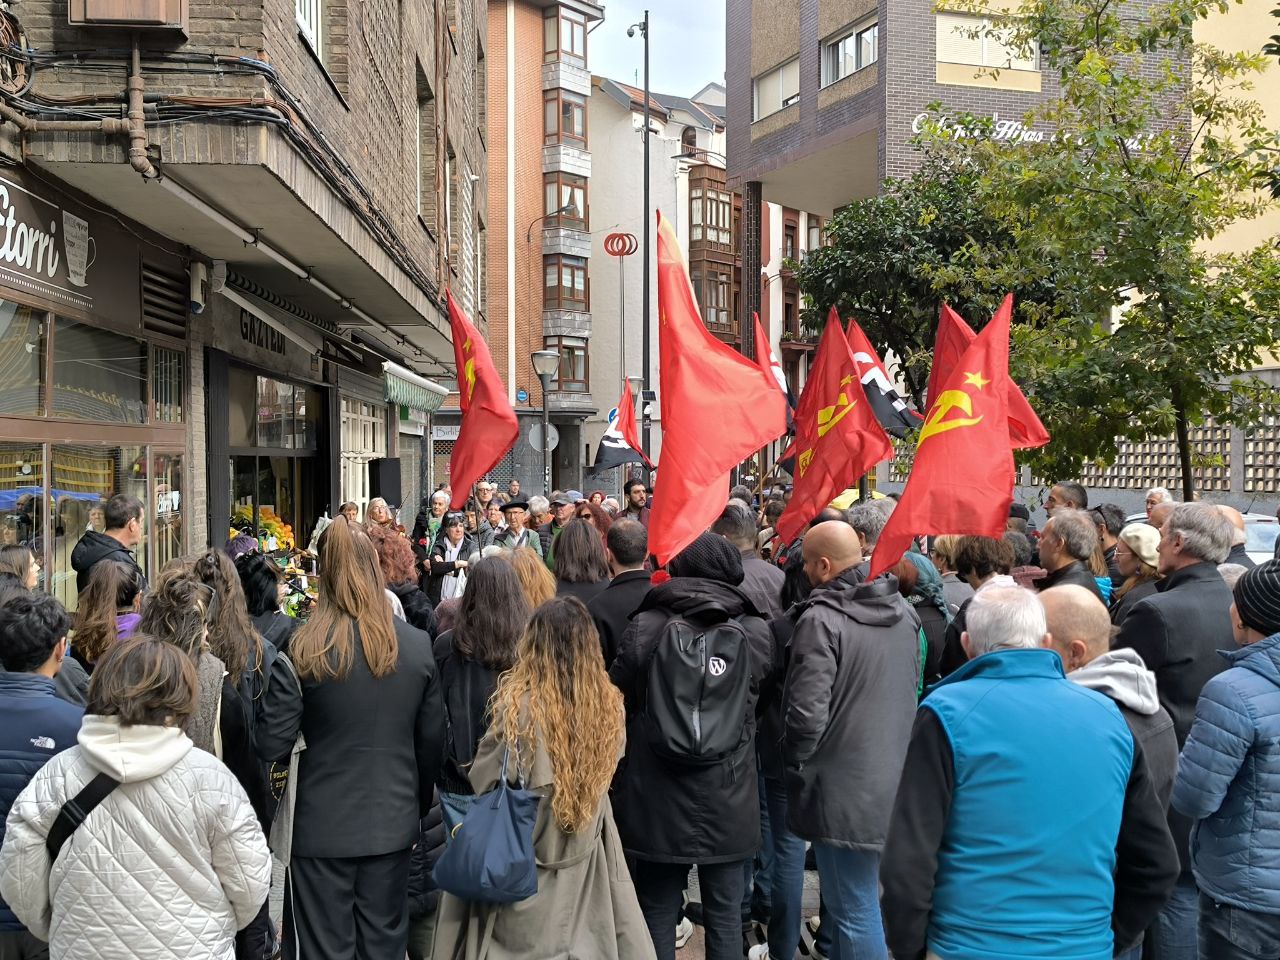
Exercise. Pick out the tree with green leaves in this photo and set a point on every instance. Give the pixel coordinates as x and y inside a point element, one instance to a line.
<point>1154,148</point>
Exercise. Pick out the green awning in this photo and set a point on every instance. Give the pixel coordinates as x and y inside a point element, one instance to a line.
<point>410,390</point>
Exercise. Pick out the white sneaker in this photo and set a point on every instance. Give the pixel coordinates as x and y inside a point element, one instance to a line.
<point>758,952</point>
<point>684,930</point>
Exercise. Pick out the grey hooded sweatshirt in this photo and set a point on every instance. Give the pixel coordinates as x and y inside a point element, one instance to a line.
<point>1122,676</point>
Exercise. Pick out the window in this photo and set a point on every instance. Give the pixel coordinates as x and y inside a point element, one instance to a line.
<point>451,205</point>
<point>564,37</point>
<point>689,140</point>
<point>789,242</point>
<point>982,42</point>
<point>309,14</point>
<point>562,189</point>
<point>710,215</point>
<point>564,118</point>
<point>849,52</point>
<point>22,346</point>
<point>482,260</point>
<point>426,160</point>
<point>98,375</point>
<point>482,91</point>
<point>168,382</point>
<point>564,283</point>
<point>713,292</point>
<point>572,375</point>
<point>364,438</point>
<point>790,319</point>
<point>815,233</point>
<point>777,89</point>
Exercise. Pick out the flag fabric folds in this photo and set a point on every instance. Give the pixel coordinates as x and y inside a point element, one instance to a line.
<point>890,409</point>
<point>1026,432</point>
<point>962,478</point>
<point>717,406</point>
<point>489,425</point>
<point>769,361</point>
<point>838,437</point>
<point>620,443</point>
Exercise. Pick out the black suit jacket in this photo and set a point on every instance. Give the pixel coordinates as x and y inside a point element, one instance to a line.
<point>613,606</point>
<point>1075,573</point>
<point>374,747</point>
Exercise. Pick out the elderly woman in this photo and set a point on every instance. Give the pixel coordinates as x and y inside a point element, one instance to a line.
<point>447,564</point>
<point>1137,560</point>
<point>379,514</point>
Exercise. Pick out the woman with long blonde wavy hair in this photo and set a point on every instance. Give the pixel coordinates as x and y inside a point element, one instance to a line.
<point>558,721</point>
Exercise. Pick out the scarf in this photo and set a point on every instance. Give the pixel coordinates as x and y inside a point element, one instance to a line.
<point>452,585</point>
<point>929,585</point>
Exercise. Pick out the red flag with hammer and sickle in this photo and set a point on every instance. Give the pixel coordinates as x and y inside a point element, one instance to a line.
<point>962,478</point>
<point>489,425</point>
<point>838,437</point>
<point>1026,432</point>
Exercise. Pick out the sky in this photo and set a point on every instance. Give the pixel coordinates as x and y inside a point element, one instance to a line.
<point>686,49</point>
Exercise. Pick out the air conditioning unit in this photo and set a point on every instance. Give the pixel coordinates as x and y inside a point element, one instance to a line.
<point>129,14</point>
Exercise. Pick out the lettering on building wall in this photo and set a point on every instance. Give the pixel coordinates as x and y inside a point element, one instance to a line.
<point>255,332</point>
<point>1007,129</point>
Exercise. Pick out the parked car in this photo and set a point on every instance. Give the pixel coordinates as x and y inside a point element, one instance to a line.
<point>1260,529</point>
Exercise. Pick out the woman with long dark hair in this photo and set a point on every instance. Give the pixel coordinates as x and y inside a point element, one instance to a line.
<point>361,689</point>
<point>20,562</point>
<point>581,568</point>
<point>107,611</point>
<point>558,721</point>
<point>481,645</point>
<point>264,591</point>
<point>232,635</point>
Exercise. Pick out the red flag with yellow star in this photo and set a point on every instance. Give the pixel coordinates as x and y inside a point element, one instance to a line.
<point>962,478</point>
<point>1026,432</point>
<point>489,426</point>
<point>838,437</point>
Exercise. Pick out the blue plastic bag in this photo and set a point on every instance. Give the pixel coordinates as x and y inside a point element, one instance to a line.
<point>490,857</point>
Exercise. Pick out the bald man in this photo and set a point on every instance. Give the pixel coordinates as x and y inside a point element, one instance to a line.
<point>1080,633</point>
<point>848,706</point>
<point>1239,537</point>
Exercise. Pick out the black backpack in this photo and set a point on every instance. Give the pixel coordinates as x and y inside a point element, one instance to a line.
<point>698,692</point>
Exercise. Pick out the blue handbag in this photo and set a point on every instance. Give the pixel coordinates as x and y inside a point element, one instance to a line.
<point>490,857</point>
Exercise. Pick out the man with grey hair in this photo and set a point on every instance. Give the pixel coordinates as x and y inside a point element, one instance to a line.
<point>1004,752</point>
<point>1177,632</point>
<point>1157,496</point>
<point>539,508</point>
<point>867,520</point>
<point>1069,540</point>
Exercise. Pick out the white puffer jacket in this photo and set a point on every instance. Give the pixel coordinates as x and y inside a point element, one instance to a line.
<point>168,867</point>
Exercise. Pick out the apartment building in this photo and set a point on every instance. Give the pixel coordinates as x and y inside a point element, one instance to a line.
<point>689,184</point>
<point>236,221</point>
<point>539,253</point>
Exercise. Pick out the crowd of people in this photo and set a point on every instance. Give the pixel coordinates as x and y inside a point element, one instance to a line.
<point>1063,742</point>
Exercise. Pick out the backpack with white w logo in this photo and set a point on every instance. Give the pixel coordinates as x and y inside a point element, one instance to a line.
<point>699,691</point>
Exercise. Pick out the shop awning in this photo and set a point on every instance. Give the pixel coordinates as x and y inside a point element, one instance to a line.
<point>410,390</point>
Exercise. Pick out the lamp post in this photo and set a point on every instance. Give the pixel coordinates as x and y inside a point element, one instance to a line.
<point>567,208</point>
<point>643,27</point>
<point>545,363</point>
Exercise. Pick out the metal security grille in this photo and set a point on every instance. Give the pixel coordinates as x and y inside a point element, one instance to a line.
<point>164,301</point>
<point>442,450</point>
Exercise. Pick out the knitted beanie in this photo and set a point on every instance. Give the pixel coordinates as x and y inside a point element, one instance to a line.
<point>711,557</point>
<point>1257,595</point>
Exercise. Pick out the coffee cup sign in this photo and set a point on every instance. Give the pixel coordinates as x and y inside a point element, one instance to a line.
<point>81,250</point>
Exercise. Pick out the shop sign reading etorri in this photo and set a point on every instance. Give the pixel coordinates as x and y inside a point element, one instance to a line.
<point>60,250</point>
<point>1016,130</point>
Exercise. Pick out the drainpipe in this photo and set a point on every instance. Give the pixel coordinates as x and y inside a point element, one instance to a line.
<point>32,125</point>
<point>137,126</point>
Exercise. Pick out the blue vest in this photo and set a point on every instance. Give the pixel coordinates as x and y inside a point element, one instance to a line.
<point>1041,765</point>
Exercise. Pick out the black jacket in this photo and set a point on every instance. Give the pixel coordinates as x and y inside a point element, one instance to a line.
<point>418,609</point>
<point>1177,631</point>
<point>762,582</point>
<point>276,628</point>
<point>465,687</point>
<point>373,750</point>
<point>934,623</point>
<point>612,608</point>
<point>586,592</point>
<point>1075,573</point>
<point>1120,608</point>
<point>674,813</point>
<point>849,702</point>
<point>439,568</point>
<point>1240,554</point>
<point>93,548</point>
<point>423,892</point>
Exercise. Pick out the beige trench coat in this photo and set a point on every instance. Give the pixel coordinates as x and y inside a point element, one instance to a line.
<point>585,907</point>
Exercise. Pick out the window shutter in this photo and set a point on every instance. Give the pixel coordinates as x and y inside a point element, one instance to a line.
<point>959,39</point>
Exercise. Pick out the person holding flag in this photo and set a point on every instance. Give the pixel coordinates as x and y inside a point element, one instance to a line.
<point>621,443</point>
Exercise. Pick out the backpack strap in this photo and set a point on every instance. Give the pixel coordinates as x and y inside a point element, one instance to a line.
<point>75,810</point>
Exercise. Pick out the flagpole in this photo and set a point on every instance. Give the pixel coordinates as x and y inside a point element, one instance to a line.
<point>644,407</point>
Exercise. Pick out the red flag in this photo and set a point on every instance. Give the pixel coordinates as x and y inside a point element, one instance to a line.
<point>962,479</point>
<point>837,434</point>
<point>1026,432</point>
<point>890,410</point>
<point>765,356</point>
<point>718,408</point>
<point>489,426</point>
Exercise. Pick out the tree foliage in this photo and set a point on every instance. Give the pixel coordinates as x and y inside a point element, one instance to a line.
<point>1151,150</point>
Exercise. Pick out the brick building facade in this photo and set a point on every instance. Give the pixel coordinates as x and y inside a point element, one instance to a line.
<point>295,183</point>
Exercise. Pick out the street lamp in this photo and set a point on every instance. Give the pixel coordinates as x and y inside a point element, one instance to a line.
<point>567,208</point>
<point>697,153</point>
<point>545,364</point>
<point>643,27</point>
